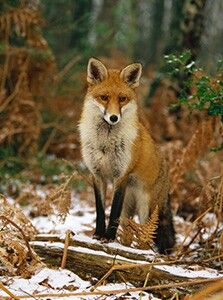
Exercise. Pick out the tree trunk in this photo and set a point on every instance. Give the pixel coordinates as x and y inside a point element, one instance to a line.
<point>142,10</point>
<point>81,23</point>
<point>156,31</point>
<point>106,27</point>
<point>187,25</point>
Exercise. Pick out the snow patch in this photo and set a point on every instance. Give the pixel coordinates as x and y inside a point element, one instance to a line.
<point>59,278</point>
<point>189,273</point>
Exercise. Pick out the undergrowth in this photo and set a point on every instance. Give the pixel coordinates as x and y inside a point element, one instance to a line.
<point>38,133</point>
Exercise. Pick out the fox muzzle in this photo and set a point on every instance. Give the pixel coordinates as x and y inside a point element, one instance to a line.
<point>112,119</point>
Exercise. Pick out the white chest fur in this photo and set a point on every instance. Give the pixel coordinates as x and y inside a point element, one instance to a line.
<point>106,149</point>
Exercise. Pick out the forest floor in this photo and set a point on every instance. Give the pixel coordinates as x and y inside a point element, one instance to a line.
<point>51,282</point>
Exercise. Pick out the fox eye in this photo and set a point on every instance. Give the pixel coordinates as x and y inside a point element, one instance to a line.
<point>122,98</point>
<point>104,97</point>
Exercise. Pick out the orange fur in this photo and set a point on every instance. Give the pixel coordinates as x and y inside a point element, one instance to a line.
<point>116,143</point>
<point>147,161</point>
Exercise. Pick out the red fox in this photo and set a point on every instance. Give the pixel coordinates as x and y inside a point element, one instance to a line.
<point>117,147</point>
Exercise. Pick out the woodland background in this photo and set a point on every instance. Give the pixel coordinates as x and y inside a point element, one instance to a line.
<point>44,49</point>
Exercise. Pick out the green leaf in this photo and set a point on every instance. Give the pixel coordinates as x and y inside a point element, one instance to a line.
<point>215,110</point>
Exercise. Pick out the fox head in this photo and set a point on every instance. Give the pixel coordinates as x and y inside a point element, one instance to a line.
<point>112,91</point>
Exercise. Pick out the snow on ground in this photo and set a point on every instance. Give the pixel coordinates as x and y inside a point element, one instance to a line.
<point>81,218</point>
<point>80,221</point>
<point>61,281</point>
<point>149,254</point>
<point>189,272</point>
<point>46,281</point>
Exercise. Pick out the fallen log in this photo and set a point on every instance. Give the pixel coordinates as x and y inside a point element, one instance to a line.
<point>89,259</point>
<point>88,263</point>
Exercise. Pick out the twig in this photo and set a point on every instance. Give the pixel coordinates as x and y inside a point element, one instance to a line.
<point>5,67</point>
<point>212,258</point>
<point>179,252</point>
<point>30,295</point>
<point>121,291</point>
<point>63,187</point>
<point>66,244</point>
<point>175,296</point>
<point>219,199</point>
<point>128,267</point>
<point>21,231</point>
<point>104,277</point>
<point>67,67</point>
<point>12,95</point>
<point>185,248</point>
<point>145,282</point>
<point>49,140</point>
<point>17,87</point>
<point>4,289</point>
<point>122,278</point>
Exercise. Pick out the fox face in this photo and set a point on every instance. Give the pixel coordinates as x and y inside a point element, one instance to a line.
<point>112,91</point>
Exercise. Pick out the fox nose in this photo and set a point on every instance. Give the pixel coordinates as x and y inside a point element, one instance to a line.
<point>113,118</point>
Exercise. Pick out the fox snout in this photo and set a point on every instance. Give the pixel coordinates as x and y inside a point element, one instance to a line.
<point>112,119</point>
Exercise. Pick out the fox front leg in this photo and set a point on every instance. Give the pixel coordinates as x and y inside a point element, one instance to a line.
<point>99,192</point>
<point>116,209</point>
<point>165,237</point>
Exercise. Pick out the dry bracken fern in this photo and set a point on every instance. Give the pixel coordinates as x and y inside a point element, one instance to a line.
<point>20,19</point>
<point>219,197</point>
<point>52,200</point>
<point>26,68</point>
<point>139,235</point>
<point>197,146</point>
<point>16,230</point>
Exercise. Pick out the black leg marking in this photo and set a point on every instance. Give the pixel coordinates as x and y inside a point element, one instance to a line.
<point>100,214</point>
<point>115,212</point>
<point>165,237</point>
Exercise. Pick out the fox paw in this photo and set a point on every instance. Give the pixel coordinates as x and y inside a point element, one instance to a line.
<point>98,236</point>
<point>106,240</point>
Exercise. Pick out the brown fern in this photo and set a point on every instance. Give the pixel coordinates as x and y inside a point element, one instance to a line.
<point>27,73</point>
<point>19,19</point>
<point>219,198</point>
<point>139,235</point>
<point>126,232</point>
<point>196,147</point>
<point>15,232</point>
<point>147,231</point>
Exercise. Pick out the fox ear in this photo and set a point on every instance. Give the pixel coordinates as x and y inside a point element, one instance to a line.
<point>131,75</point>
<point>96,71</point>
